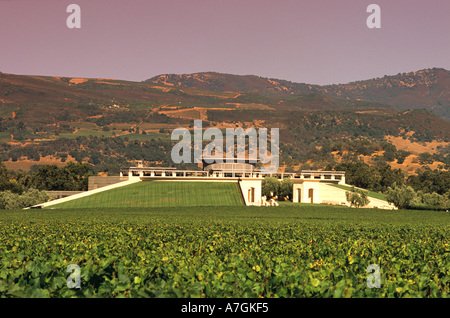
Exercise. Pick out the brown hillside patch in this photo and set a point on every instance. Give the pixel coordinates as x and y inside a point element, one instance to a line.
<point>78,80</point>
<point>368,111</point>
<point>164,89</point>
<point>251,106</point>
<point>411,164</point>
<point>190,113</point>
<point>197,92</point>
<point>415,147</point>
<point>369,159</point>
<point>21,144</point>
<point>25,164</point>
<point>109,83</point>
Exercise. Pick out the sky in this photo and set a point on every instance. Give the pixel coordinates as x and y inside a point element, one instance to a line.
<point>315,41</point>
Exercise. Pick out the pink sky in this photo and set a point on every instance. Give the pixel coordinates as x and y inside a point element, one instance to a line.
<point>317,42</point>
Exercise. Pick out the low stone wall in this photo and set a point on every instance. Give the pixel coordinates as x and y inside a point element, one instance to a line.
<point>62,194</point>
<point>99,182</point>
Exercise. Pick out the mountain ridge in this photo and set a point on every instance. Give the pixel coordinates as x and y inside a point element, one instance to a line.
<point>426,88</point>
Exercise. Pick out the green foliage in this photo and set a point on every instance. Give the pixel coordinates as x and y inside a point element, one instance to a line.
<point>11,201</point>
<point>431,201</point>
<point>104,151</point>
<point>162,194</point>
<point>401,155</point>
<point>273,187</point>
<point>7,182</point>
<point>375,178</point>
<point>357,197</point>
<point>270,187</point>
<point>72,177</point>
<point>295,252</point>
<point>390,151</point>
<point>401,196</point>
<point>286,188</point>
<point>425,158</point>
<point>431,181</point>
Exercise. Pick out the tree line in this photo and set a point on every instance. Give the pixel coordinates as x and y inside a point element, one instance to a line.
<point>428,189</point>
<point>19,189</point>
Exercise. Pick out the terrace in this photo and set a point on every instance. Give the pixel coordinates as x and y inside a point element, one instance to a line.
<point>232,171</point>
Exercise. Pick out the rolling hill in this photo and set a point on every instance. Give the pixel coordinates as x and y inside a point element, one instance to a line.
<point>112,123</point>
<point>428,89</point>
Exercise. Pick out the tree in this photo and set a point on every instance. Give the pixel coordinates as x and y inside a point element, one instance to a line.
<point>401,156</point>
<point>401,196</point>
<point>361,175</point>
<point>433,200</point>
<point>431,181</point>
<point>79,174</point>
<point>50,177</point>
<point>32,197</point>
<point>285,188</point>
<point>5,181</point>
<point>388,177</point>
<point>425,158</point>
<point>389,150</point>
<point>10,200</point>
<point>270,187</point>
<point>357,197</point>
<point>73,177</point>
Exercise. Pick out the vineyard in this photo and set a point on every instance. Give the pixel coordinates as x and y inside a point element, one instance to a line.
<point>286,251</point>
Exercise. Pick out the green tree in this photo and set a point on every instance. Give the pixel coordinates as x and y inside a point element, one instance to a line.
<point>32,197</point>
<point>73,177</point>
<point>14,201</point>
<point>431,181</point>
<point>401,196</point>
<point>357,197</point>
<point>7,181</point>
<point>401,156</point>
<point>389,151</point>
<point>79,174</point>
<point>270,187</point>
<point>388,177</point>
<point>361,175</point>
<point>285,189</point>
<point>50,177</point>
<point>425,158</point>
<point>432,200</point>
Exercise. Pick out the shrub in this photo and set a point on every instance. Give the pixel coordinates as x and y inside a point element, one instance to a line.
<point>13,201</point>
<point>285,189</point>
<point>401,196</point>
<point>270,187</point>
<point>357,197</point>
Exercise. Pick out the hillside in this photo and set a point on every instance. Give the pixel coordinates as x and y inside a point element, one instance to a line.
<point>112,123</point>
<point>428,89</point>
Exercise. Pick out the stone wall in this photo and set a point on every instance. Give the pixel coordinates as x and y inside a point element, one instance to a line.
<point>99,182</point>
